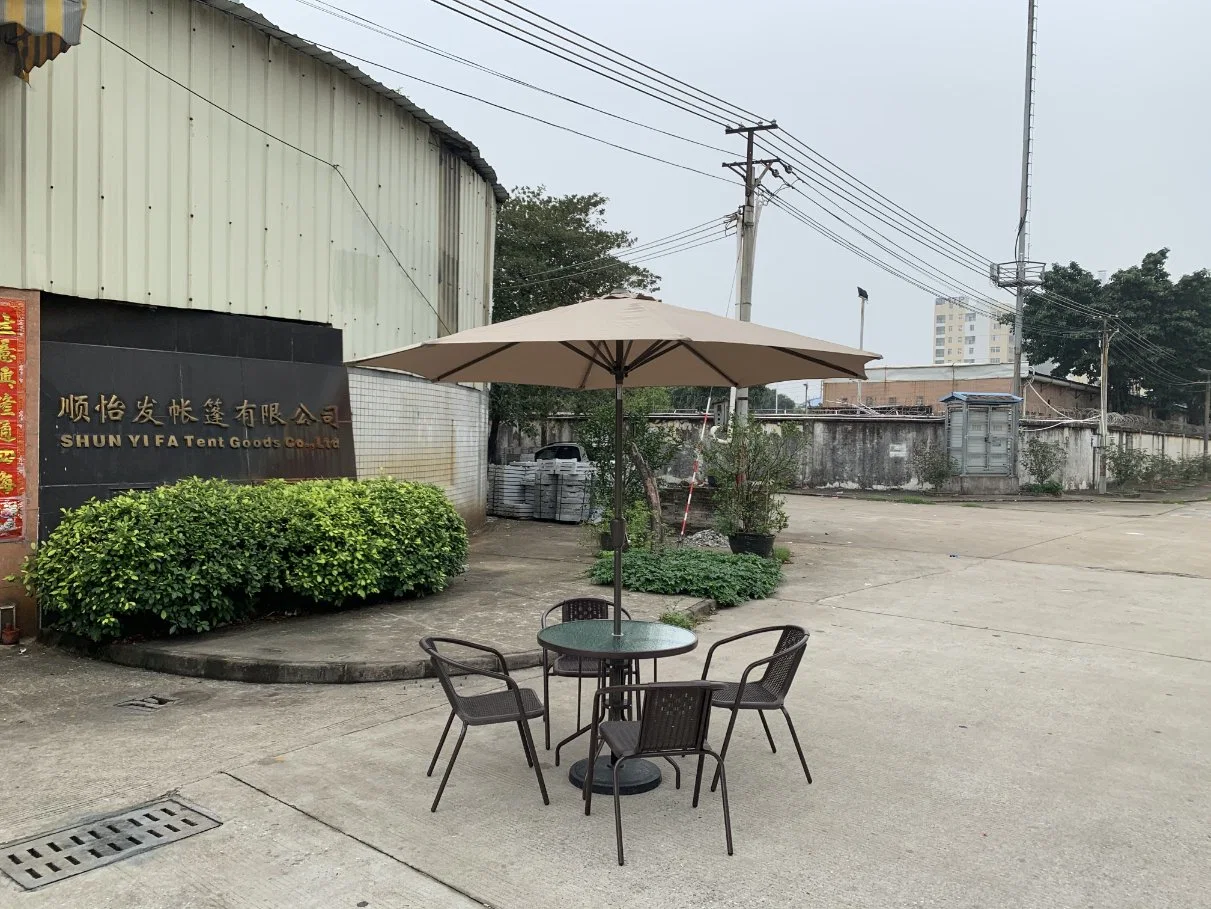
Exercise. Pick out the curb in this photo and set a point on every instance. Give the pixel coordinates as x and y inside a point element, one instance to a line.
<point>164,658</point>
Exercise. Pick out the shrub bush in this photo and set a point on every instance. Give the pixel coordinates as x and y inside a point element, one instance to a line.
<point>204,553</point>
<point>1045,462</point>
<point>729,580</point>
<point>933,465</point>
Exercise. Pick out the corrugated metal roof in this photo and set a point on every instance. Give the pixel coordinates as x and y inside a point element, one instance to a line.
<point>461,146</point>
<point>981,397</point>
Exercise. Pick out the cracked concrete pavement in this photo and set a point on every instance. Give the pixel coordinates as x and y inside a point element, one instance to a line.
<point>1001,706</point>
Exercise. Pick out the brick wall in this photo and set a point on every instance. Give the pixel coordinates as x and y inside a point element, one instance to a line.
<point>423,431</point>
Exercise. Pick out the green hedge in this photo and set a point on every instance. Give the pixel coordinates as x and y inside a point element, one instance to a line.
<point>729,580</point>
<point>204,553</point>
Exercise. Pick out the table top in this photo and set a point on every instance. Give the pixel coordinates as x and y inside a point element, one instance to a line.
<point>639,641</point>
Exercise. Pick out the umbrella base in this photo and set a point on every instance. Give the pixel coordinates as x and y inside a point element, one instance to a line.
<point>636,776</point>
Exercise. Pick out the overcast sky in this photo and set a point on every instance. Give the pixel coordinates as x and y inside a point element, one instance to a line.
<point>922,100</point>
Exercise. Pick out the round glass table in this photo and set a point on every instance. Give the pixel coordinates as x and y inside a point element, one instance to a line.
<point>639,641</point>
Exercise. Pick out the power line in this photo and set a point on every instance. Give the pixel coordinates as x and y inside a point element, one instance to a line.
<point>291,145</point>
<point>648,258</point>
<point>536,119</point>
<point>385,31</point>
<point>690,232</point>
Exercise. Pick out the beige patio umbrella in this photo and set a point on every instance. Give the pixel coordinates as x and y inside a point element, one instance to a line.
<point>618,341</point>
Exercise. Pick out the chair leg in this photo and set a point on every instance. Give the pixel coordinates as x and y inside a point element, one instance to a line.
<point>772,746</point>
<point>528,741</point>
<point>676,769</point>
<point>698,777</point>
<point>798,747</point>
<point>727,817</point>
<point>522,731</point>
<point>440,743</point>
<point>727,738</point>
<point>446,776</point>
<point>587,789</point>
<point>579,690</point>
<point>618,812</point>
<point>546,699</point>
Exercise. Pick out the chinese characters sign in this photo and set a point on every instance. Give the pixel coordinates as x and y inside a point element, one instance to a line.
<point>99,422</point>
<point>12,419</point>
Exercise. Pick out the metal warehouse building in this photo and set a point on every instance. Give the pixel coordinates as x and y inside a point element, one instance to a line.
<point>202,218</point>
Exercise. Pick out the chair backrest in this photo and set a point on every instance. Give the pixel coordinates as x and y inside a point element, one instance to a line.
<point>440,667</point>
<point>675,716</point>
<point>581,609</point>
<point>780,672</point>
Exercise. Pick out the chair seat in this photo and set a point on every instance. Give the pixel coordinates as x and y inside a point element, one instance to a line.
<point>621,736</point>
<point>499,707</point>
<point>754,697</point>
<point>574,667</point>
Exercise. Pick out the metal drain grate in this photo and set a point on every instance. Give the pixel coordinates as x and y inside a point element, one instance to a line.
<point>51,857</point>
<point>151,702</point>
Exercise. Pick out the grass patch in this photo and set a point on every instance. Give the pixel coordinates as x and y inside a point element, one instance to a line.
<point>686,620</point>
<point>782,554</point>
<point>912,500</point>
<point>729,580</point>
<point>971,505</point>
<point>1050,488</point>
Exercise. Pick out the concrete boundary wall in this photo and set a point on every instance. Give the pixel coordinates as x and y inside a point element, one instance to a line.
<point>848,452</point>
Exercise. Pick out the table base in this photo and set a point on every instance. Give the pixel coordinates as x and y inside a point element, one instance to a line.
<point>636,776</point>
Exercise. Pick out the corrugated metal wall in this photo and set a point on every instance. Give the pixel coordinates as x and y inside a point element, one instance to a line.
<point>130,188</point>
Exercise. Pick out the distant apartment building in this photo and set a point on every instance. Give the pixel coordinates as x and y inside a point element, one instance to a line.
<point>963,336</point>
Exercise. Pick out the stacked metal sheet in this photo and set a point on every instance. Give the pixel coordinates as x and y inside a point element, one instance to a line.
<point>511,490</point>
<point>552,490</point>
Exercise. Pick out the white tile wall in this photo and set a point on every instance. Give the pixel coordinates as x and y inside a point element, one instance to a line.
<point>427,432</point>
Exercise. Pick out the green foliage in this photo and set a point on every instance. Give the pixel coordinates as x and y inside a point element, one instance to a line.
<point>639,524</point>
<point>727,579</point>
<point>656,443</point>
<point>911,500</point>
<point>686,620</point>
<point>760,398</point>
<point>1045,461</point>
<point>1127,465</point>
<point>554,235</point>
<point>1131,466</point>
<point>782,555</point>
<point>203,553</point>
<point>932,465</point>
<point>752,466</point>
<point>1050,488</point>
<point>1174,317</point>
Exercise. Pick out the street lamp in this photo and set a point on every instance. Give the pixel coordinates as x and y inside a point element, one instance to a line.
<point>862,298</point>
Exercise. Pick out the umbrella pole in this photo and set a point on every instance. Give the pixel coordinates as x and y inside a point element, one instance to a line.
<point>619,527</point>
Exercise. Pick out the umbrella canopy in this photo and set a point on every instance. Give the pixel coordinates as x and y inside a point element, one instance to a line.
<point>624,340</point>
<point>588,344</point>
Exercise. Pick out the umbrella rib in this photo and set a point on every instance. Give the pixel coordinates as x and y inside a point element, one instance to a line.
<point>478,359</point>
<point>819,362</point>
<point>593,360</point>
<point>656,350</point>
<point>692,349</point>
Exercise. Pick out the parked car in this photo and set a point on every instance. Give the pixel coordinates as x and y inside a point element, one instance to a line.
<point>562,451</point>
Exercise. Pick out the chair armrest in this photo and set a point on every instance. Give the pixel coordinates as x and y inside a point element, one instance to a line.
<point>769,659</point>
<point>736,637</point>
<point>483,648</point>
<point>468,669</point>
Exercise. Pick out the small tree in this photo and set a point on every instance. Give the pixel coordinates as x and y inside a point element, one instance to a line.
<point>932,465</point>
<point>752,467</point>
<point>1045,461</point>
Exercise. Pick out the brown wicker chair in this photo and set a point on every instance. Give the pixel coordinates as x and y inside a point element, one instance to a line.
<point>577,609</point>
<point>766,693</point>
<point>673,721</point>
<point>511,705</point>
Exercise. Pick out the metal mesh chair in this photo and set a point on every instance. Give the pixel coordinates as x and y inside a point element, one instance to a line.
<point>577,609</point>
<point>767,692</point>
<point>673,722</point>
<point>512,705</point>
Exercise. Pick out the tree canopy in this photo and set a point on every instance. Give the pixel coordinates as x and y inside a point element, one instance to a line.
<point>1166,336</point>
<point>552,251</point>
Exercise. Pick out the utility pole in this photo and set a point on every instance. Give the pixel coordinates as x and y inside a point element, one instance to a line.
<point>1022,274</point>
<point>1107,334</point>
<point>807,398</point>
<point>1206,410</point>
<point>862,298</point>
<point>748,231</point>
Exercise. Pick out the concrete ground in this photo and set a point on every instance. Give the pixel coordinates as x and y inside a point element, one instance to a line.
<point>1001,706</point>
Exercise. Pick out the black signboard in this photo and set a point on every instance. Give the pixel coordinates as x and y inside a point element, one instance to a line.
<point>134,397</point>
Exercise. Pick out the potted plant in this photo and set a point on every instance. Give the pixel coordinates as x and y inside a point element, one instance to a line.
<point>752,467</point>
